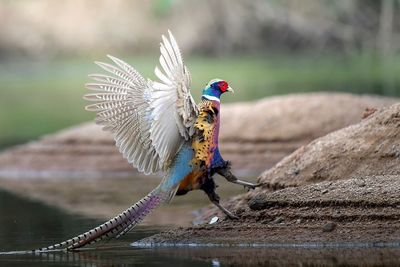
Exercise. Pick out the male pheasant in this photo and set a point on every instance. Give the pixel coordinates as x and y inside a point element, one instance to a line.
<point>157,126</point>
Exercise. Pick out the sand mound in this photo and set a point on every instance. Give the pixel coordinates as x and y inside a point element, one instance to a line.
<point>371,147</point>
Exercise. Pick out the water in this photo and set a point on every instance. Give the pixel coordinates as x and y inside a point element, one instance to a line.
<point>26,225</point>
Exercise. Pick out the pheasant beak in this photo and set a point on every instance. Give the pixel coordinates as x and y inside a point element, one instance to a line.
<point>229,89</point>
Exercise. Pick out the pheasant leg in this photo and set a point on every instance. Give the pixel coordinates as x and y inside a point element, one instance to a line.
<point>230,177</point>
<point>209,188</point>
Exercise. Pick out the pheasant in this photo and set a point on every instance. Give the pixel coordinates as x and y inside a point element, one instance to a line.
<point>157,126</point>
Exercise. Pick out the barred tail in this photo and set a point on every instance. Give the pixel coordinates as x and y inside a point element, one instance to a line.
<point>118,225</point>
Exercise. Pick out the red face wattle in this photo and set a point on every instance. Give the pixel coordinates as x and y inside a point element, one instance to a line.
<point>223,86</point>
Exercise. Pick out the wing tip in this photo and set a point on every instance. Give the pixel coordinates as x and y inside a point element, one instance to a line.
<point>165,40</point>
<point>89,97</point>
<point>113,58</point>
<point>170,34</point>
<point>100,64</point>
<point>92,86</point>
<point>88,85</point>
<point>89,108</point>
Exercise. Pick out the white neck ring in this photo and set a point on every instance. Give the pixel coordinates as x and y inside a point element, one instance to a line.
<point>210,97</point>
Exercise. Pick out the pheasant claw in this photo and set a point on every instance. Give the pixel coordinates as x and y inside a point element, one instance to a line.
<point>228,214</point>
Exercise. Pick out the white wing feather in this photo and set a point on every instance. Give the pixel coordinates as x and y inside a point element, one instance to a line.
<point>149,120</point>
<point>174,108</point>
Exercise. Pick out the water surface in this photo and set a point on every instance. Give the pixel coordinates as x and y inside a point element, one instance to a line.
<point>26,225</point>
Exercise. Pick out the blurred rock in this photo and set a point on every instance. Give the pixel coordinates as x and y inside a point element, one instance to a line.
<point>254,135</point>
<point>257,135</point>
<point>83,150</point>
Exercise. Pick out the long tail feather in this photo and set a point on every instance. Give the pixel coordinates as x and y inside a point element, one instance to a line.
<point>118,225</point>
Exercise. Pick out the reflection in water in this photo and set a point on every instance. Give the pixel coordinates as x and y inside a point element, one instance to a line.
<point>91,258</point>
<point>125,256</point>
<point>27,225</point>
<point>288,256</point>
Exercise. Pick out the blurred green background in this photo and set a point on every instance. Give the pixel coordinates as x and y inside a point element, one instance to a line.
<point>260,47</point>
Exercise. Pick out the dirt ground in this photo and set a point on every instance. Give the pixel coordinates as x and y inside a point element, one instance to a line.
<point>356,210</point>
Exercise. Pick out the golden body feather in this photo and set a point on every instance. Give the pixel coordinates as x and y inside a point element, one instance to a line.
<point>204,145</point>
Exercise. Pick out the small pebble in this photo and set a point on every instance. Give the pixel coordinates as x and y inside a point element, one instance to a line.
<point>214,220</point>
<point>279,220</point>
<point>325,191</point>
<point>329,227</point>
<point>257,203</point>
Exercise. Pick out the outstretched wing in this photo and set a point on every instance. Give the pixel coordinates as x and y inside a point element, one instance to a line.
<point>148,119</point>
<point>173,108</point>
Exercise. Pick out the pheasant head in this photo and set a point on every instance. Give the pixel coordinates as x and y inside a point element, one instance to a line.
<point>215,88</point>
